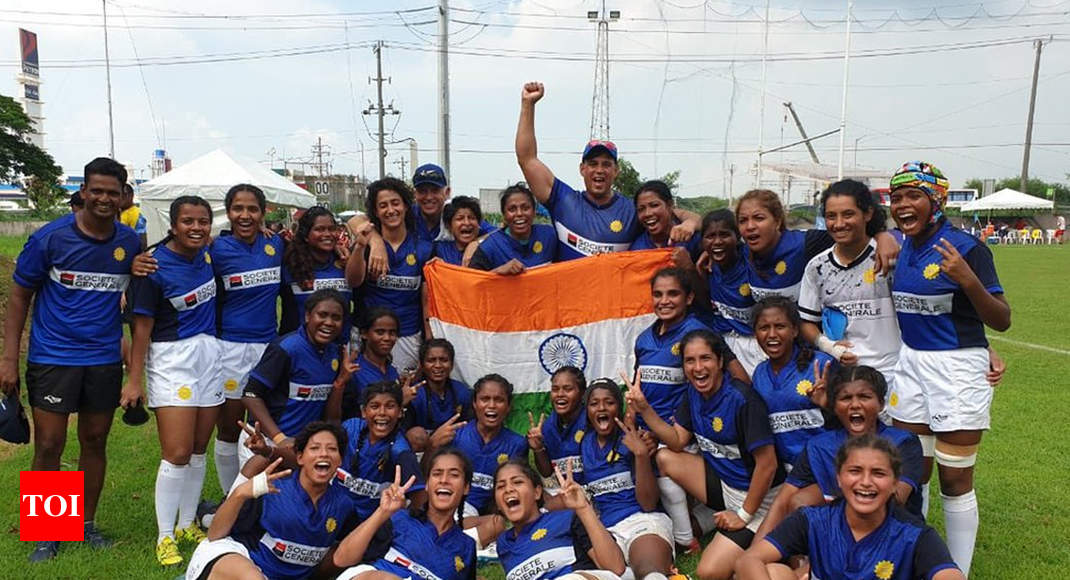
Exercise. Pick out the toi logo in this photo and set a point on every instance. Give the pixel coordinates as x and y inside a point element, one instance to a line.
<point>51,506</point>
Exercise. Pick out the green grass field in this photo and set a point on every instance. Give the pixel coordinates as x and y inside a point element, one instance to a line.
<point>1025,520</point>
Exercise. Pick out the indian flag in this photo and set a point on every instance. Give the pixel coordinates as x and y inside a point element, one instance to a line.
<point>586,313</point>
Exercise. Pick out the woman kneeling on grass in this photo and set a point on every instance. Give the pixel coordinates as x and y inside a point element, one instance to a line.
<point>568,544</point>
<point>291,522</point>
<point>737,465</point>
<point>863,535</point>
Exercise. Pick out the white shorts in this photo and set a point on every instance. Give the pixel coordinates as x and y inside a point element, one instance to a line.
<point>207,552</point>
<point>746,349</point>
<point>354,571</point>
<point>184,373</point>
<point>238,359</point>
<point>944,389</point>
<point>642,524</point>
<point>734,498</point>
<point>586,574</point>
<point>406,353</point>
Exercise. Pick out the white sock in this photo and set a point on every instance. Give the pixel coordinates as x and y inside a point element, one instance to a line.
<point>674,500</point>
<point>705,517</point>
<point>191,490</point>
<point>226,463</point>
<point>925,501</point>
<point>628,573</point>
<point>961,519</point>
<point>655,576</point>
<point>169,478</point>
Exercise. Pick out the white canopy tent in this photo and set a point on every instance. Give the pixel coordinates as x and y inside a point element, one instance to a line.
<point>210,176</point>
<point>1007,199</point>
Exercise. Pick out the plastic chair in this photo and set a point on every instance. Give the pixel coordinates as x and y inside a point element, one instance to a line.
<point>1023,236</point>
<point>1050,236</point>
<point>1011,237</point>
<point>1038,236</point>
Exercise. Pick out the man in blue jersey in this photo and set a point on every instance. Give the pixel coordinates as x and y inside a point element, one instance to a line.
<point>597,220</point>
<point>74,269</point>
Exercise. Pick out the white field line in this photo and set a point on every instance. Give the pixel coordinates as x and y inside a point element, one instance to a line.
<point>1030,345</point>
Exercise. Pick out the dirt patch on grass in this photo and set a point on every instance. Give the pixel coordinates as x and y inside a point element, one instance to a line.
<point>7,267</point>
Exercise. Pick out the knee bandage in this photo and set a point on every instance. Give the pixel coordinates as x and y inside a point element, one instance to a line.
<point>958,456</point>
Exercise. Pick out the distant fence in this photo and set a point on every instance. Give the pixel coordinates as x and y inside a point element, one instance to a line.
<point>19,228</point>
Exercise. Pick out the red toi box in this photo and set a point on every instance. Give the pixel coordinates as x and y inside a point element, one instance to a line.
<point>51,506</point>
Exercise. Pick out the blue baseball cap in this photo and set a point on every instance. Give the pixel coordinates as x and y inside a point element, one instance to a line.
<point>598,146</point>
<point>429,173</point>
<point>14,427</point>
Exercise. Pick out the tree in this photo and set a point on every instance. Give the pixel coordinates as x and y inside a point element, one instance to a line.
<point>628,180</point>
<point>21,159</point>
<point>1034,187</point>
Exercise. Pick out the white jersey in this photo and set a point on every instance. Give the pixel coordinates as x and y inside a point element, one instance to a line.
<point>863,295</point>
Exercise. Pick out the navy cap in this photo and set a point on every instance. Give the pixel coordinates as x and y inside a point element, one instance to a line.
<point>429,173</point>
<point>598,146</point>
<point>14,427</point>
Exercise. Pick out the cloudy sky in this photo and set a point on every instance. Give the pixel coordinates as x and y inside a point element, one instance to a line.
<point>942,80</point>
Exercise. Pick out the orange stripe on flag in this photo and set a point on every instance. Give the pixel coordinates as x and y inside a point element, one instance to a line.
<point>558,295</point>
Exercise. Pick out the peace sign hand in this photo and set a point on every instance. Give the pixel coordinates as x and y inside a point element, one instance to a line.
<point>349,367</point>
<point>535,432</point>
<point>954,265</point>
<point>393,498</point>
<point>256,442</point>
<point>262,483</point>
<point>818,394</point>
<point>634,395</point>
<point>409,390</point>
<point>445,433</point>
<point>572,493</point>
<point>632,440</point>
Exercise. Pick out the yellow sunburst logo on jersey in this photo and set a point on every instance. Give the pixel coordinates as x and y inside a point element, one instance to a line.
<point>502,458</point>
<point>615,226</point>
<point>230,384</point>
<point>458,563</point>
<point>894,400</point>
<point>931,271</point>
<point>717,424</point>
<point>539,534</point>
<point>410,259</point>
<point>884,569</point>
<point>744,289</point>
<point>804,387</point>
<point>675,349</point>
<point>869,276</point>
<point>185,393</point>
<point>537,247</point>
<point>119,254</point>
<point>331,525</point>
<point>612,456</point>
<point>780,267</point>
<point>578,436</point>
<point>334,364</point>
<point>269,250</point>
<point>207,258</point>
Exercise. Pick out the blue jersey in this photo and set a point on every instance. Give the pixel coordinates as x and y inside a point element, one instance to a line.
<point>781,272</point>
<point>661,372</point>
<point>439,232</point>
<point>286,534</point>
<point>730,298</point>
<point>368,468</point>
<point>180,295</point>
<point>817,462</point>
<point>485,458</point>
<point>78,281</point>
<point>793,418</point>
<point>609,477</point>
<point>294,379</point>
<point>693,245</point>
<point>411,547</point>
<point>562,441</point>
<point>447,251</point>
<point>430,410</point>
<point>902,547</point>
<point>729,427</point>
<point>553,545</point>
<point>934,313</point>
<point>249,279</point>
<point>584,228</point>
<point>294,294</point>
<point>399,289</point>
<point>500,247</point>
<point>369,373</point>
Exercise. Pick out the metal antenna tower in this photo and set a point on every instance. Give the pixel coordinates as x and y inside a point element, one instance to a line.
<point>600,97</point>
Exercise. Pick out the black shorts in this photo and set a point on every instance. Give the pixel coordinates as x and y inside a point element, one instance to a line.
<point>715,501</point>
<point>62,389</point>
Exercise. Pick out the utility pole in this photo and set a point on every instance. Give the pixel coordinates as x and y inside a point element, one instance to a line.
<point>107,76</point>
<point>600,97</point>
<point>318,151</point>
<point>798,123</point>
<point>378,109</point>
<point>1023,185</point>
<point>843,106</point>
<point>400,162</point>
<point>443,85</point>
<point>761,109</point>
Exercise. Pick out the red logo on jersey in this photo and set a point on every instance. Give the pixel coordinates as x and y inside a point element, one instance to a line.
<point>402,561</point>
<point>66,278</point>
<point>235,281</point>
<point>572,240</point>
<point>304,392</point>
<point>51,506</point>
<point>190,300</point>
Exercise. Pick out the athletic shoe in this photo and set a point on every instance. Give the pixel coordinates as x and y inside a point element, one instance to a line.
<point>95,539</point>
<point>488,554</point>
<point>192,534</point>
<point>44,551</point>
<point>205,512</point>
<point>167,552</point>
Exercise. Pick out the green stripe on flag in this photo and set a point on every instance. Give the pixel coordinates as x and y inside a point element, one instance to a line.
<point>522,403</point>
